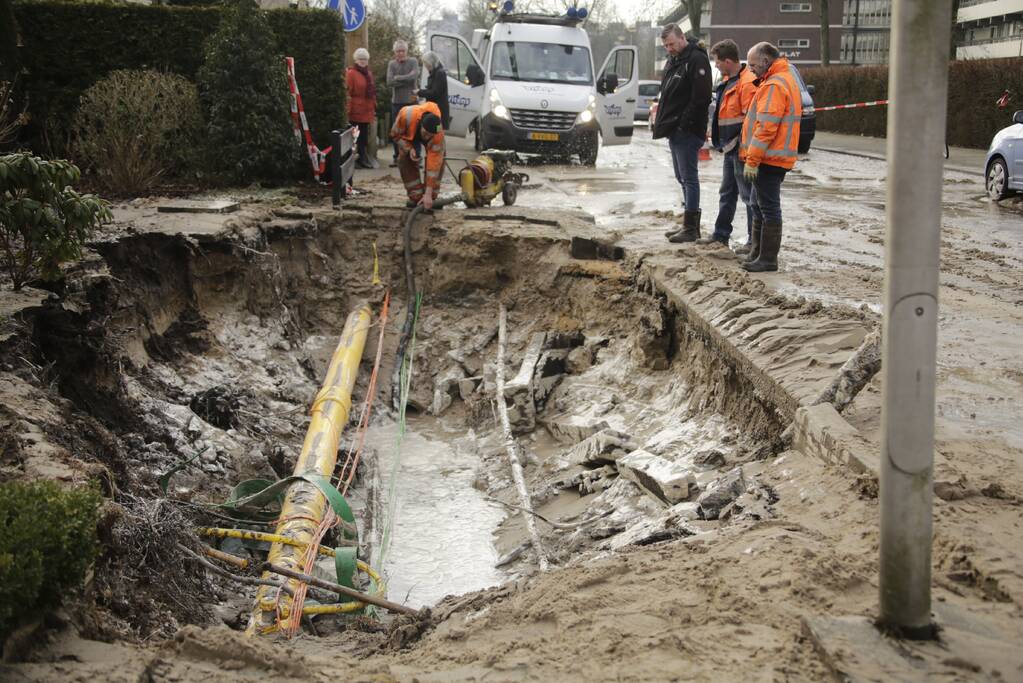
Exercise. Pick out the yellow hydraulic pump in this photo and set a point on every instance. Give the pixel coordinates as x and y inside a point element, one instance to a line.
<point>489,175</point>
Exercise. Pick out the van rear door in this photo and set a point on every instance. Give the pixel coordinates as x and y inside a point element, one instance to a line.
<point>465,98</point>
<point>615,110</point>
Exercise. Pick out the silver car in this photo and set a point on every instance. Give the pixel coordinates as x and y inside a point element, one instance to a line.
<point>648,91</point>
<point>1004,166</point>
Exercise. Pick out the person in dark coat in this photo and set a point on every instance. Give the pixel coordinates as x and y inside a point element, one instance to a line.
<point>436,89</point>
<point>681,117</point>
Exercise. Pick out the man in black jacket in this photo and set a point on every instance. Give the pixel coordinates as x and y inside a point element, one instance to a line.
<point>681,116</point>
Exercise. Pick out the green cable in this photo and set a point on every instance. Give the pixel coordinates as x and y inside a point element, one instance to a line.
<point>406,381</point>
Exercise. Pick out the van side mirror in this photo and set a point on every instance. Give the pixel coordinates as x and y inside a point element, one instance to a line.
<point>474,75</point>
<point>810,89</point>
<point>1018,117</point>
<point>607,84</point>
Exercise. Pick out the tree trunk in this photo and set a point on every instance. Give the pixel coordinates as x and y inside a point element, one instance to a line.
<point>956,33</point>
<point>694,8</point>
<point>825,34</point>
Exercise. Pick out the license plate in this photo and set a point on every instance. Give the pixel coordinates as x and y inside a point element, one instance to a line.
<point>546,137</point>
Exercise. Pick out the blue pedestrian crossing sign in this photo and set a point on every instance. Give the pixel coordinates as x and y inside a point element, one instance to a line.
<point>353,12</point>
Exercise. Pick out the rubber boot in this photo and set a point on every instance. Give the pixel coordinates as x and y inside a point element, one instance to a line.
<point>770,244</point>
<point>754,243</point>
<point>690,231</point>
<point>678,226</point>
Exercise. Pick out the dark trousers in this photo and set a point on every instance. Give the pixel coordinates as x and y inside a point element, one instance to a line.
<point>765,199</point>
<point>395,108</point>
<point>685,157</point>
<point>362,143</point>
<point>733,187</point>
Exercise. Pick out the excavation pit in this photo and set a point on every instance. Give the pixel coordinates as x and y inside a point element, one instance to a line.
<point>187,360</point>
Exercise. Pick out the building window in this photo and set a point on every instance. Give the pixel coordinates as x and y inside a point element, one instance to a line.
<point>790,43</point>
<point>796,7</point>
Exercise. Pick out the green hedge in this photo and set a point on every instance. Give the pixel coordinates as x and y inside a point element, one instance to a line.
<point>70,46</point>
<point>973,89</point>
<point>47,541</point>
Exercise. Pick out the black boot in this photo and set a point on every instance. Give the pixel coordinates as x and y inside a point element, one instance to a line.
<point>751,254</point>
<point>678,228</point>
<point>690,231</point>
<point>770,244</point>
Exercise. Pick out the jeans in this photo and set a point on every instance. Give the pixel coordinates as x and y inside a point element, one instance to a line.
<point>395,108</point>
<point>733,186</point>
<point>765,199</point>
<point>685,153</point>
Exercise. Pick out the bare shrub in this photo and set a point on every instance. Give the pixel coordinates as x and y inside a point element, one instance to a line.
<point>134,129</point>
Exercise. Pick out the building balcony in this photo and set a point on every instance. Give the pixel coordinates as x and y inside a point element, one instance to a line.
<point>991,49</point>
<point>975,10</point>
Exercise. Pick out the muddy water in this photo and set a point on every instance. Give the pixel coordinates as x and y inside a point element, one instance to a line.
<point>442,530</point>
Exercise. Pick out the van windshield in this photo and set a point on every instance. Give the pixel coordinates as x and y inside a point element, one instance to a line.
<point>548,62</point>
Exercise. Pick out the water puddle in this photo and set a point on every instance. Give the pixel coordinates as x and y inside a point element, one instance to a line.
<point>442,533</point>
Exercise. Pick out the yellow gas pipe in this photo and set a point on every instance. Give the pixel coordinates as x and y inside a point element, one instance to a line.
<point>304,505</point>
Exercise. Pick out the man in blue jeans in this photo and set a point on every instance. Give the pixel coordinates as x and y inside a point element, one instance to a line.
<point>681,117</point>
<point>734,96</point>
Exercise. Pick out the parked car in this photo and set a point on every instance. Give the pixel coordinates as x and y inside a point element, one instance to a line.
<point>808,121</point>
<point>648,92</point>
<point>1003,168</point>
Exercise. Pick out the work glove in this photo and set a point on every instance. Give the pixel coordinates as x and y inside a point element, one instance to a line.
<point>749,173</point>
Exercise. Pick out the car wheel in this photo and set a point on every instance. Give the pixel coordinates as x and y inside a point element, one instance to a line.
<point>997,179</point>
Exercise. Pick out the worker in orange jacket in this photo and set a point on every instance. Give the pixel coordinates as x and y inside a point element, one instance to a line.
<point>769,144</point>
<point>419,123</point>
<point>734,96</point>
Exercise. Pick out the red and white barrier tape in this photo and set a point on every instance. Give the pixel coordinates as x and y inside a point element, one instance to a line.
<point>875,103</point>
<point>317,157</point>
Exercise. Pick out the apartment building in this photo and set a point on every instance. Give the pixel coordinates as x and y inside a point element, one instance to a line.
<point>989,28</point>
<point>795,27</point>
<point>866,31</point>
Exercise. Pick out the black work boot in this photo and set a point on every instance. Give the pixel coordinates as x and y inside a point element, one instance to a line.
<point>770,244</point>
<point>678,227</point>
<point>690,231</point>
<point>753,252</point>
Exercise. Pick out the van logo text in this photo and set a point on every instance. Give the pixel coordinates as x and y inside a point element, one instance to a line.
<point>459,101</point>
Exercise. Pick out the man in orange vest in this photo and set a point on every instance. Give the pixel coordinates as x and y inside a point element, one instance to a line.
<point>419,124</point>
<point>734,96</point>
<point>769,144</point>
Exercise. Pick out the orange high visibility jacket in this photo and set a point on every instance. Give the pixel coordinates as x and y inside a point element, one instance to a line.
<point>770,131</point>
<point>734,98</point>
<point>403,132</point>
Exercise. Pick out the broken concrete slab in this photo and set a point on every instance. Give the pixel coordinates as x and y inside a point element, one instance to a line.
<point>974,645</point>
<point>571,429</point>
<point>197,206</point>
<point>467,387</point>
<point>721,492</point>
<point>662,479</point>
<point>445,388</point>
<point>605,447</point>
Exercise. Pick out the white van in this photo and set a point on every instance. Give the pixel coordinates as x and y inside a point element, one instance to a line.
<point>528,85</point>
